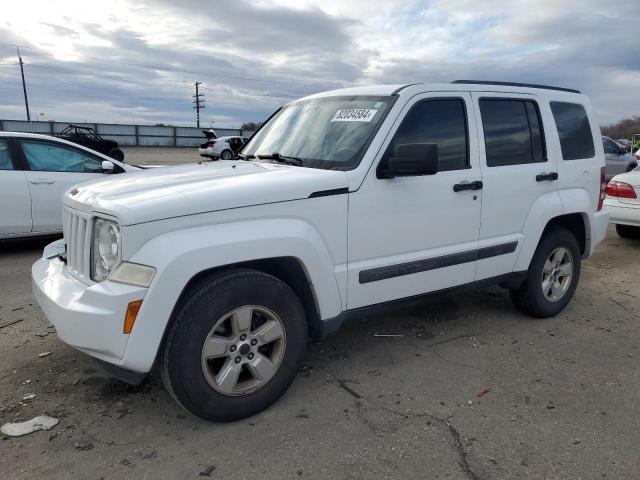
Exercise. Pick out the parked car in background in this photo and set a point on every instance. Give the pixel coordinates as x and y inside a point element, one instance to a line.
<point>217,273</point>
<point>625,142</point>
<point>623,203</point>
<point>224,148</point>
<point>617,159</point>
<point>88,137</point>
<point>35,170</point>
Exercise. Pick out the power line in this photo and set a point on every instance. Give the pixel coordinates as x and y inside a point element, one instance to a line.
<point>177,70</point>
<point>149,82</point>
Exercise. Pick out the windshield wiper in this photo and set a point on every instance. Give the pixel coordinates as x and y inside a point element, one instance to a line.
<point>282,159</point>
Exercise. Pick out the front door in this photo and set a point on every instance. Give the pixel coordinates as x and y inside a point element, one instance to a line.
<point>54,168</point>
<point>412,235</point>
<point>15,201</point>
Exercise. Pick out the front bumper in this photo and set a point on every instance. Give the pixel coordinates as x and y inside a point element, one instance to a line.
<point>623,213</point>
<point>87,317</point>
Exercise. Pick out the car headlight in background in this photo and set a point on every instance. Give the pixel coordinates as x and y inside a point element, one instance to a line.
<point>105,248</point>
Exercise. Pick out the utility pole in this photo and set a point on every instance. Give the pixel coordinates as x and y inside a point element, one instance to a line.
<point>24,86</point>
<point>198,103</point>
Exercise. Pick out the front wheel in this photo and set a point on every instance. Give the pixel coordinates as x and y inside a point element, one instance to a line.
<point>628,231</point>
<point>552,277</point>
<point>235,345</point>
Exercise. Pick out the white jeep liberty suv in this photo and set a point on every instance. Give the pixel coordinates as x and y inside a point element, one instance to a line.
<point>216,273</point>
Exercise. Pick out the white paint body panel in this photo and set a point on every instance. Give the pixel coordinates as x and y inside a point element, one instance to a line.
<point>187,219</point>
<point>15,198</point>
<point>35,196</point>
<point>625,211</point>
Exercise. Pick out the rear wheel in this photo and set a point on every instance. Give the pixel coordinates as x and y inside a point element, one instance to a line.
<point>235,345</point>
<point>226,155</point>
<point>628,231</point>
<point>552,277</point>
<point>116,154</point>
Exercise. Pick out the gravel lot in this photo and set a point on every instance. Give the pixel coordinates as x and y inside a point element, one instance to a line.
<point>563,401</point>
<point>161,156</point>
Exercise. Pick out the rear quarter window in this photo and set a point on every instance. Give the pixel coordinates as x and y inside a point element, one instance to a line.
<point>574,130</point>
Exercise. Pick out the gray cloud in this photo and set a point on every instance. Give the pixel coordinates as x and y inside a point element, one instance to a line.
<point>252,58</point>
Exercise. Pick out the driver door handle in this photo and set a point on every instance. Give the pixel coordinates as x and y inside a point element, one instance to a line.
<point>41,181</point>
<point>551,176</point>
<point>459,187</point>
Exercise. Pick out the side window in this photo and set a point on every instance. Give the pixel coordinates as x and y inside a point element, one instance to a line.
<point>5,156</point>
<point>609,146</point>
<point>574,130</point>
<point>439,121</point>
<point>513,132</point>
<point>45,156</point>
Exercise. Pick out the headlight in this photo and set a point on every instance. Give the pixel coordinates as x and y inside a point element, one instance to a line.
<point>105,248</point>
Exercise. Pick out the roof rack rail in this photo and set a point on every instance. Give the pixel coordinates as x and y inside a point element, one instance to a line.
<point>514,84</point>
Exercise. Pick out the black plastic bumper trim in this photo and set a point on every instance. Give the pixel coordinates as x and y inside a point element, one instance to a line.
<point>127,376</point>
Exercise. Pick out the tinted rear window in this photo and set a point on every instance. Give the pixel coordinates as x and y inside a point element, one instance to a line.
<point>512,132</point>
<point>574,130</point>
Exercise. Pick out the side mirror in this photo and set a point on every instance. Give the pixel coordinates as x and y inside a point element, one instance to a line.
<point>107,166</point>
<point>410,159</point>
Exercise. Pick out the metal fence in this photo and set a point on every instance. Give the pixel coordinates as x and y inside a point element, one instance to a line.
<point>128,135</point>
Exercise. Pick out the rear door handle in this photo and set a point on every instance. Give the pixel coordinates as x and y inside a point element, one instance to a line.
<point>458,187</point>
<point>551,176</point>
<point>41,181</point>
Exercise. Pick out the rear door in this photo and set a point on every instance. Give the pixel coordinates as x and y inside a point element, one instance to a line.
<point>53,169</point>
<point>516,172</point>
<point>15,201</point>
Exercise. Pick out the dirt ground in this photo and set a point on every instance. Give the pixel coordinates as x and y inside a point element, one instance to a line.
<point>563,402</point>
<point>161,156</point>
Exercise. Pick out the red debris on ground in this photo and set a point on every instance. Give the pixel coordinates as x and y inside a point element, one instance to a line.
<point>484,392</point>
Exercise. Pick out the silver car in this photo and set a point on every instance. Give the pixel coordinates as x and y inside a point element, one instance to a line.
<point>617,159</point>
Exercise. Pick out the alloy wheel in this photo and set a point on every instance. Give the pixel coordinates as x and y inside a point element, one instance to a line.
<point>243,350</point>
<point>557,274</point>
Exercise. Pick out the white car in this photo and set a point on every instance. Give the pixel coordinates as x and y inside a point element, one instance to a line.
<point>224,148</point>
<point>35,170</point>
<point>343,201</point>
<point>623,203</point>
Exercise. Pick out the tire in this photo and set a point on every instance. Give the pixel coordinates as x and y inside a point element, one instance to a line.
<point>191,379</point>
<point>628,231</point>
<point>530,297</point>
<point>226,155</point>
<point>116,154</point>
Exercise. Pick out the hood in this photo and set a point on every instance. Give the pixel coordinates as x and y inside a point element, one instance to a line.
<point>154,194</point>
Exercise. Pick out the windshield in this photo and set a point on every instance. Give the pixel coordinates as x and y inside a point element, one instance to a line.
<point>330,132</point>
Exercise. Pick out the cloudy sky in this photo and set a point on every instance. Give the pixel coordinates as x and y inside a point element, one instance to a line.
<point>136,60</point>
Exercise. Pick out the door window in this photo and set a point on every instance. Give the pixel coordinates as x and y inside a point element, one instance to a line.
<point>50,157</point>
<point>439,121</point>
<point>513,132</point>
<point>610,146</point>
<point>5,156</point>
<point>574,130</point>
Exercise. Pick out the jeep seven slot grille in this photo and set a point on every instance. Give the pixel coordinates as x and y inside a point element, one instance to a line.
<point>76,228</point>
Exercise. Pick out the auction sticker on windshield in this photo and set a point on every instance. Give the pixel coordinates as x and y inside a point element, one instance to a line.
<point>354,115</point>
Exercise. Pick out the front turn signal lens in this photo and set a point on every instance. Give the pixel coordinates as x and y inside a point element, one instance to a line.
<point>130,317</point>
